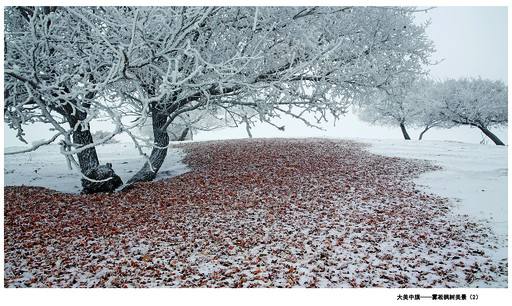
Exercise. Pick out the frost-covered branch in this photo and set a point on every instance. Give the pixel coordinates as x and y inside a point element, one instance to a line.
<point>36,146</point>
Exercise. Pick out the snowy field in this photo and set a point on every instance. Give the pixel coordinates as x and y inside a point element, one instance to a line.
<point>46,167</point>
<point>474,176</point>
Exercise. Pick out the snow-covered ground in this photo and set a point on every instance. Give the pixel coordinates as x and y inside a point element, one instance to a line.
<point>245,182</point>
<point>474,176</point>
<point>260,213</point>
<point>46,167</point>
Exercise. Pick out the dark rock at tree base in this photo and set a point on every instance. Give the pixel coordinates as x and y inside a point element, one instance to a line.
<point>99,173</point>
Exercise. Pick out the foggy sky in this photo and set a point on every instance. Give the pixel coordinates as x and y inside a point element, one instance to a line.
<point>470,41</point>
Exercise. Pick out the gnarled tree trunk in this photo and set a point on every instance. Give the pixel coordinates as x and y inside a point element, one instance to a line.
<point>404,131</point>
<point>489,134</point>
<point>159,152</point>
<point>89,163</point>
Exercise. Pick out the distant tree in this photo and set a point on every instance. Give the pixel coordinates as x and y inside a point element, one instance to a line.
<point>478,102</point>
<point>429,116</point>
<point>397,106</point>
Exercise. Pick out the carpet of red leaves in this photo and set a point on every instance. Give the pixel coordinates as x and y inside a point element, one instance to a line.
<point>252,213</point>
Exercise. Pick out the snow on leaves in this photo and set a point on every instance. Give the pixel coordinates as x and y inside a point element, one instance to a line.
<point>259,213</point>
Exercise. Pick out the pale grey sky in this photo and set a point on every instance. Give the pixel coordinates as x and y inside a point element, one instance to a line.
<point>471,40</point>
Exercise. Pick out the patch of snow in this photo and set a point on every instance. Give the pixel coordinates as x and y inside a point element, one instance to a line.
<point>46,167</point>
<point>474,176</point>
<point>207,268</point>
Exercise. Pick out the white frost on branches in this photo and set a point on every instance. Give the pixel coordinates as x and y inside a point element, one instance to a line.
<point>476,102</point>
<point>426,103</point>
<point>68,66</point>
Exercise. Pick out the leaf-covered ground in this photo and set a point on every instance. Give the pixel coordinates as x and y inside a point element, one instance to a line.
<point>252,213</point>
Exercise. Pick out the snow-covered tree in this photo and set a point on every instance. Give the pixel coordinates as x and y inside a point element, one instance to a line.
<point>428,106</point>
<point>478,102</point>
<point>398,106</point>
<point>156,64</point>
<point>270,60</point>
<point>411,103</point>
<point>53,74</point>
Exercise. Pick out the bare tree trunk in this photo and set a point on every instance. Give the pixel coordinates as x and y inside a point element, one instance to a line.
<point>423,132</point>
<point>88,158</point>
<point>404,131</point>
<point>159,152</point>
<point>247,127</point>
<point>493,137</point>
<point>89,163</point>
